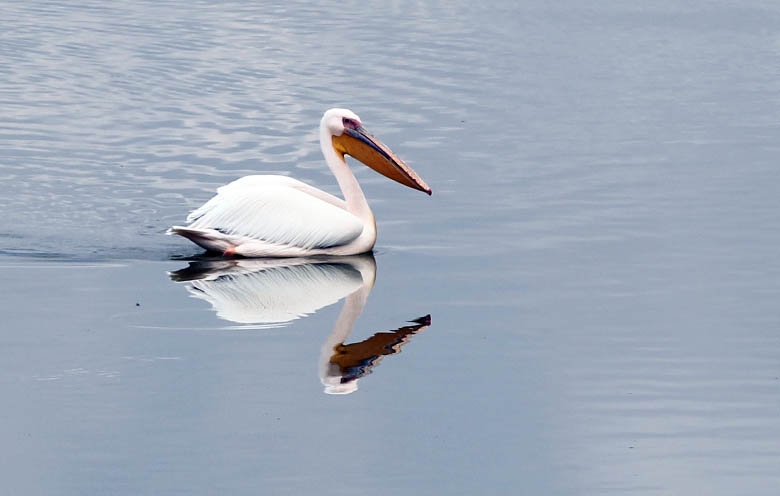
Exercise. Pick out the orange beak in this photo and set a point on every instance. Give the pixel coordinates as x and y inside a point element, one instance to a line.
<point>361,145</point>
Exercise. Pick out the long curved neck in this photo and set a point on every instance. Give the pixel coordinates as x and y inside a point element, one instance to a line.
<point>350,188</point>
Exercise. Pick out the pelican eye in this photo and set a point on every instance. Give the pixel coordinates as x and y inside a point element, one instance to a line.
<point>350,123</point>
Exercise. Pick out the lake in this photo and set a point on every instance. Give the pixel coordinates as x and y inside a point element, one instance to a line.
<point>588,303</point>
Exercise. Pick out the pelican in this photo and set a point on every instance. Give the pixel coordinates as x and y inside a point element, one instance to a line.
<point>278,216</point>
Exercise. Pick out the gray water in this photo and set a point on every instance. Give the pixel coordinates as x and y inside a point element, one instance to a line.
<point>598,259</point>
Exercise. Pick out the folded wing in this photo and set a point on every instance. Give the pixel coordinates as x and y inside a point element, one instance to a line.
<point>276,210</point>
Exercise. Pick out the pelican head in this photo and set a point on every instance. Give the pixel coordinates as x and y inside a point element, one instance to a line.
<point>349,137</point>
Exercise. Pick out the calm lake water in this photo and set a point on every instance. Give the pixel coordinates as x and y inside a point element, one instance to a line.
<point>588,304</point>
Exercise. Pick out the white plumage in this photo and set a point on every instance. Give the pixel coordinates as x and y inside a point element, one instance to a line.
<point>271,215</point>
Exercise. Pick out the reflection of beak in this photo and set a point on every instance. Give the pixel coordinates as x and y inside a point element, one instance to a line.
<point>350,362</point>
<point>361,145</point>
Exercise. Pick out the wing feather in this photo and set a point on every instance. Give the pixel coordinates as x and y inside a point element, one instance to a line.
<point>277,210</point>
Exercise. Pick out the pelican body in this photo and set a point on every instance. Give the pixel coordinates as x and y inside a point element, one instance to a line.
<point>278,216</point>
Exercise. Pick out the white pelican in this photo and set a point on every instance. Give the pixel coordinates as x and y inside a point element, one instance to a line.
<point>278,216</point>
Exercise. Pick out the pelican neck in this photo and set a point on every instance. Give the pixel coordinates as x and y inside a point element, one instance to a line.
<point>348,183</point>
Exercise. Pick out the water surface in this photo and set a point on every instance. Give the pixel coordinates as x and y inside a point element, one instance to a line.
<point>598,259</point>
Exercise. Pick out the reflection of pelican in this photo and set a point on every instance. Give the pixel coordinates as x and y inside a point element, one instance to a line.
<point>277,216</point>
<point>276,291</point>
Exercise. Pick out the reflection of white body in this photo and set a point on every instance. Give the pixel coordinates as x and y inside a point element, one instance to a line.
<point>275,291</point>
<point>281,290</point>
<point>278,216</point>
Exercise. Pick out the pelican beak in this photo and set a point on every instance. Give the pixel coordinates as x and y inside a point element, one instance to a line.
<point>361,145</point>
